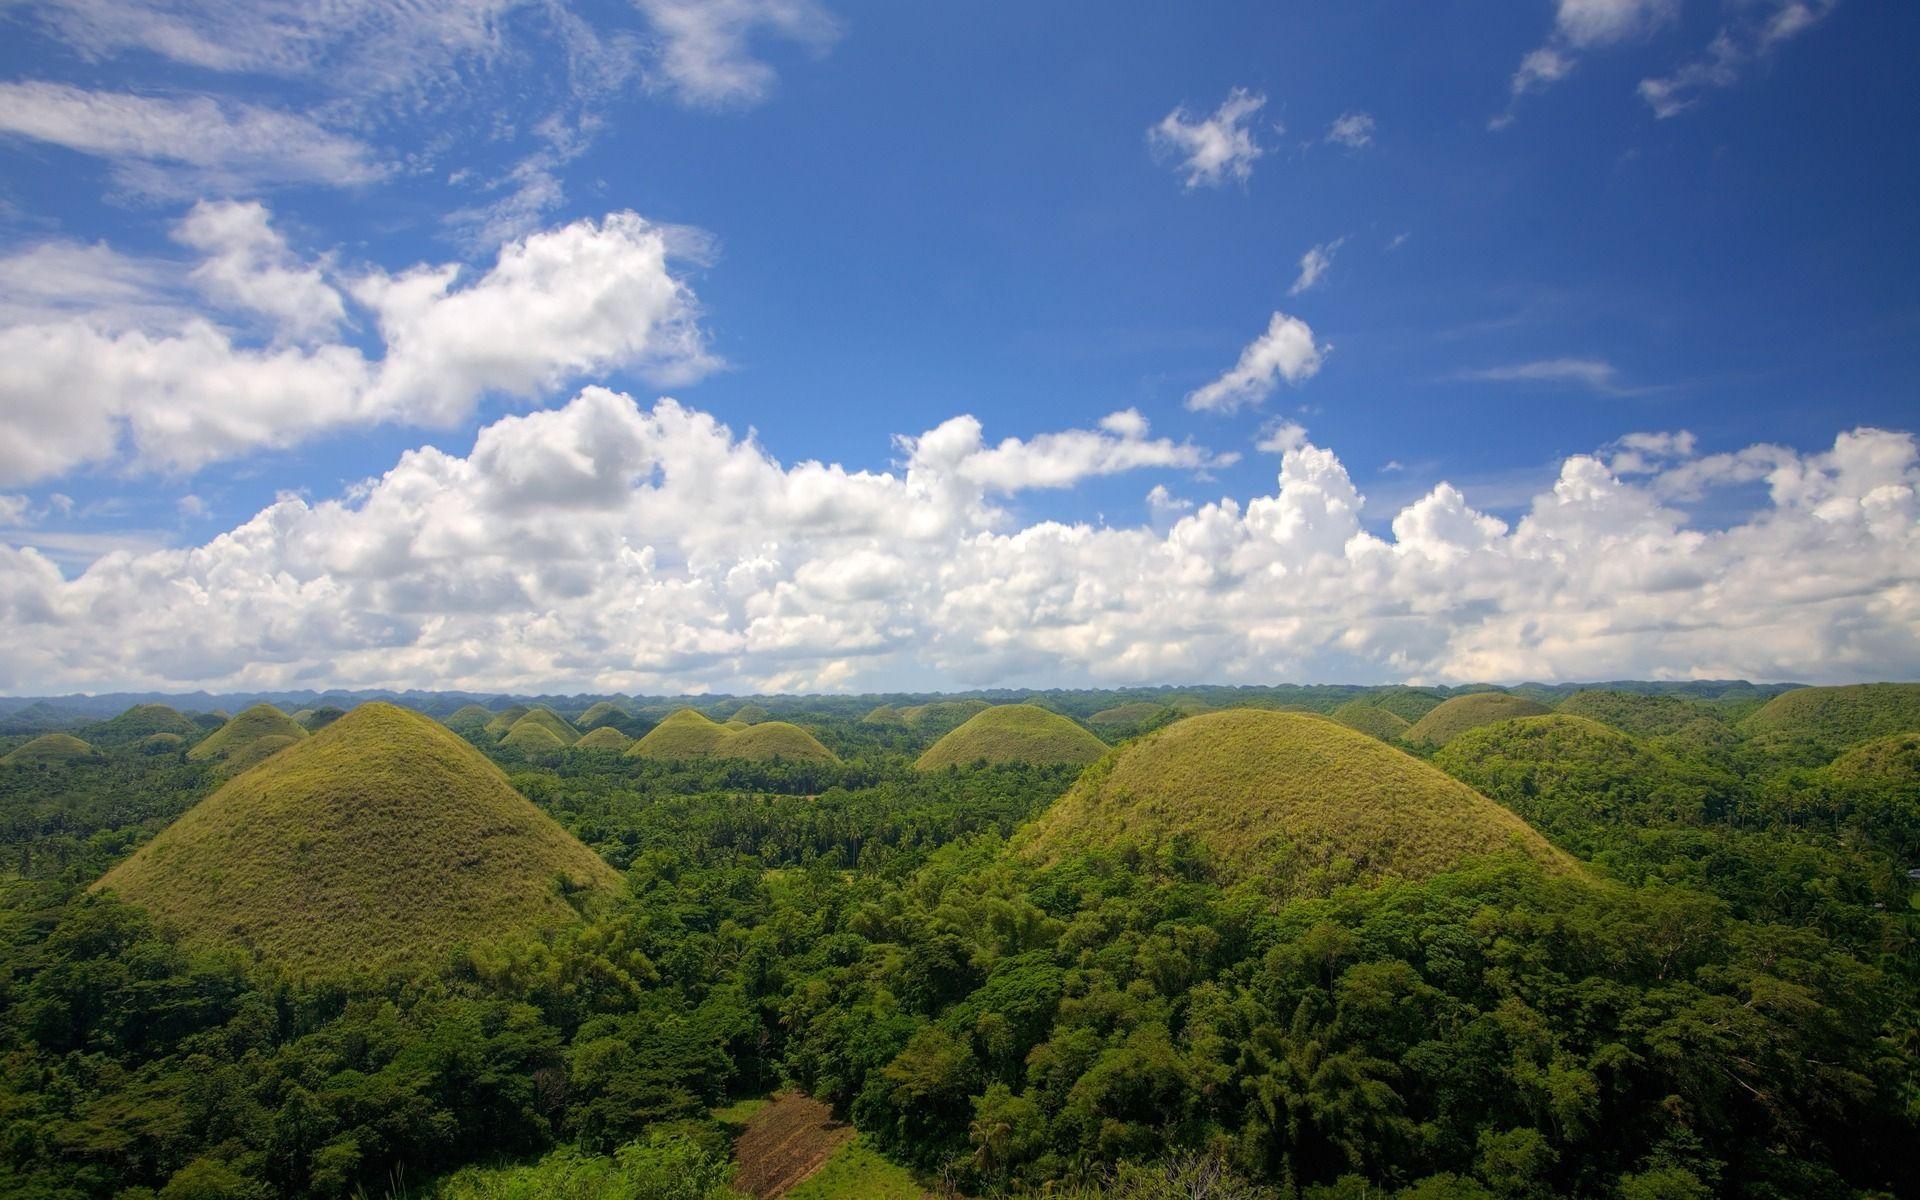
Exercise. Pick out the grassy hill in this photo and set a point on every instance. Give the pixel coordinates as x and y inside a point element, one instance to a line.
<point>1261,790</point>
<point>1893,760</point>
<point>469,718</point>
<point>529,736</point>
<point>319,718</point>
<point>505,719</point>
<point>884,715</point>
<point>683,734</point>
<point>161,743</point>
<point>383,839</point>
<point>1372,720</point>
<point>1124,716</point>
<point>1637,713</point>
<point>247,738</point>
<point>1450,719</point>
<point>603,715</point>
<point>141,722</point>
<point>1839,716</point>
<point>942,716</point>
<point>603,739</point>
<point>749,714</point>
<point>552,722</point>
<point>1014,733</point>
<point>770,740</point>
<point>690,734</point>
<point>50,749</point>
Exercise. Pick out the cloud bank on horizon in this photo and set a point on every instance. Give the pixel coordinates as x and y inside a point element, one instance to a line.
<point>221,296</point>
<point>607,546</point>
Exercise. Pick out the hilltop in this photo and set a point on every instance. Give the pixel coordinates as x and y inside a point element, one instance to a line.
<point>1838,717</point>
<point>690,734</point>
<point>1014,733</point>
<point>1258,789</point>
<point>604,739</point>
<point>1451,718</point>
<point>1372,720</point>
<point>245,739</point>
<point>383,839</point>
<point>141,722</point>
<point>51,748</point>
<point>505,719</point>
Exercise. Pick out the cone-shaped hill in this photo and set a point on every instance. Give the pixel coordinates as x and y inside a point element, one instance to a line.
<point>529,736</point>
<point>1839,716</point>
<point>1372,720</point>
<point>383,839</point>
<point>50,749</point>
<point>942,715</point>
<point>1409,704</point>
<point>505,719</point>
<point>1009,733</point>
<point>141,722</point>
<point>1124,716</point>
<point>603,739</point>
<point>548,720</point>
<point>690,734</point>
<point>319,718</point>
<point>247,738</point>
<point>469,718</point>
<point>1253,786</point>
<point>1449,720</point>
<point>603,715</point>
<point>885,715</point>
<point>1893,760</point>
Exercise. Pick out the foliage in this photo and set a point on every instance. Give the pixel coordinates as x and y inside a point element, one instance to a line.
<point>1372,720</point>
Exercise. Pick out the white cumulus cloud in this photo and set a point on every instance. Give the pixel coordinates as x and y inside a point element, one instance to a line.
<point>609,546</point>
<point>1286,351</point>
<point>1212,150</point>
<point>119,366</point>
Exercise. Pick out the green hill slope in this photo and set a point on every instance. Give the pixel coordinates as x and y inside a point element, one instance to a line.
<point>1894,760</point>
<point>141,722</point>
<point>50,749</point>
<point>383,839</point>
<point>1450,719</point>
<point>603,739</point>
<point>1123,716</point>
<point>247,738</point>
<point>1839,716</point>
<point>1635,713</point>
<point>317,719</point>
<point>1409,704</point>
<point>552,722</point>
<point>1371,720</point>
<point>770,740</point>
<point>1014,733</point>
<point>690,734</point>
<point>603,715</point>
<point>683,734</point>
<point>529,736</point>
<point>1259,789</point>
<point>942,716</point>
<point>505,719</point>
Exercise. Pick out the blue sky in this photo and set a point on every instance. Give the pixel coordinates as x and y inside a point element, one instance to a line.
<point>1545,228</point>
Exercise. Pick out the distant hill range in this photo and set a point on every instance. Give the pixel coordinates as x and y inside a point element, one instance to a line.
<point>49,714</point>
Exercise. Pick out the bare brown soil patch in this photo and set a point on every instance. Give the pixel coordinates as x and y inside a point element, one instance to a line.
<point>785,1142</point>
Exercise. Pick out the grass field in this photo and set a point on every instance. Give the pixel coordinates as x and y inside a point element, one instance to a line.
<point>1447,721</point>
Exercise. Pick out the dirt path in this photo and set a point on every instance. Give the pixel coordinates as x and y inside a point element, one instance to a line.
<point>785,1142</point>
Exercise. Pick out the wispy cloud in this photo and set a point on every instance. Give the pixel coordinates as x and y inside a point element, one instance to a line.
<point>1314,265</point>
<point>1596,374</point>
<point>1759,30</point>
<point>1212,150</point>
<point>703,48</point>
<point>172,145</point>
<point>1353,130</point>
